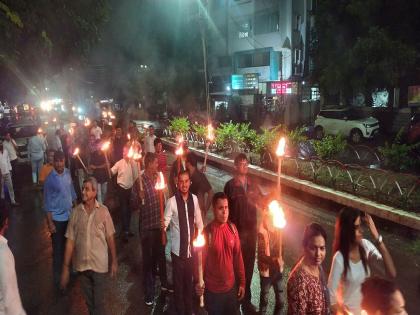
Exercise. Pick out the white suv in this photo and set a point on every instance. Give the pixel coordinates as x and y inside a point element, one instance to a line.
<point>347,123</point>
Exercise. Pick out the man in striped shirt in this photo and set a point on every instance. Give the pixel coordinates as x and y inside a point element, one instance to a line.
<point>153,248</point>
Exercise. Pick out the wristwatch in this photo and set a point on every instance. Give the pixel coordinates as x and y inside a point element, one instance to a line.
<point>379,240</point>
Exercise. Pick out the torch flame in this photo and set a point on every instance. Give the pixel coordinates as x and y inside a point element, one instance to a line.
<point>104,114</point>
<point>109,114</point>
<point>87,122</point>
<point>76,152</point>
<point>128,136</point>
<point>199,241</point>
<point>160,183</point>
<point>137,156</point>
<point>179,151</point>
<point>71,131</point>
<point>180,140</point>
<point>105,146</point>
<point>210,132</point>
<point>39,130</point>
<point>281,147</point>
<point>279,220</point>
<point>130,153</point>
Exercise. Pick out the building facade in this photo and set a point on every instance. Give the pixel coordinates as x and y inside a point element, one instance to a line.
<point>258,52</point>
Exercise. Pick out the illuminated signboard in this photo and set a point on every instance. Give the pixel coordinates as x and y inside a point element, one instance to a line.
<point>283,87</point>
<point>250,80</point>
<point>244,81</point>
<point>237,81</point>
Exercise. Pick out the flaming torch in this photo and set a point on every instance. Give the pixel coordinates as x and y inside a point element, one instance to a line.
<point>160,187</point>
<point>76,154</point>
<point>279,220</point>
<point>198,244</point>
<point>280,154</point>
<point>179,152</point>
<point>136,156</point>
<point>210,139</point>
<point>105,148</point>
<point>87,122</point>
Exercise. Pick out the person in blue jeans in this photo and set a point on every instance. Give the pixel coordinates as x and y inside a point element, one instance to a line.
<point>270,264</point>
<point>59,197</point>
<point>36,152</point>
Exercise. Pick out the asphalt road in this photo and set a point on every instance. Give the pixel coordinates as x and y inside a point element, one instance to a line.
<point>30,242</point>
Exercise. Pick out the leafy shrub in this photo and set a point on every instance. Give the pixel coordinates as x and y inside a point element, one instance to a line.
<point>228,135</point>
<point>296,136</point>
<point>179,125</point>
<point>329,147</point>
<point>200,130</point>
<point>266,139</point>
<point>248,135</point>
<point>397,155</point>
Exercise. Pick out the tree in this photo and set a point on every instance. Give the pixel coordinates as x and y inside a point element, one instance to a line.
<point>365,45</point>
<point>39,38</point>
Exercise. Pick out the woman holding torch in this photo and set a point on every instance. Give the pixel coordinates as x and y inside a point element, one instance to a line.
<point>221,264</point>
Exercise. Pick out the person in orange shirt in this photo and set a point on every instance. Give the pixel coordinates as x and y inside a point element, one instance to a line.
<point>46,168</point>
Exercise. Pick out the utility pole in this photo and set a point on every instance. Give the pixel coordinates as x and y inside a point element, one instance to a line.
<point>203,25</point>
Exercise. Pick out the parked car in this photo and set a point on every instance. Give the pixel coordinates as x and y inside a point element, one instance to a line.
<point>143,125</point>
<point>346,122</point>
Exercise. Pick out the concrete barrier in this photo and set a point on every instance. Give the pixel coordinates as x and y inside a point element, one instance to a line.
<point>399,216</point>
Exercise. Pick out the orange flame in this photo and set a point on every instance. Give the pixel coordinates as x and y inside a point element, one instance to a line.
<point>160,183</point>
<point>179,151</point>
<point>210,132</point>
<point>128,136</point>
<point>279,220</point>
<point>200,240</point>
<point>76,151</point>
<point>105,146</point>
<point>281,147</point>
<point>87,122</point>
<point>130,153</point>
<point>39,130</point>
<point>136,156</point>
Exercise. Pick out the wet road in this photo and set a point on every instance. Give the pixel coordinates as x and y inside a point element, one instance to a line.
<point>30,242</point>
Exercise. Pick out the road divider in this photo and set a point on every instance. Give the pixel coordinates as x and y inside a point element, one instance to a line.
<point>399,216</point>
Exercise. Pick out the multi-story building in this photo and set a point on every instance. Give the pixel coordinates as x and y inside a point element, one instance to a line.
<point>258,51</point>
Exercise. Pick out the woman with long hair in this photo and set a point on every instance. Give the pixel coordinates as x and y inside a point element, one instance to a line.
<point>353,259</point>
<point>307,291</point>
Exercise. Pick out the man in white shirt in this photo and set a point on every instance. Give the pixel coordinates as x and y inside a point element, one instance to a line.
<point>96,130</point>
<point>11,147</point>
<point>10,303</point>
<point>149,145</point>
<point>126,171</point>
<point>6,177</point>
<point>183,214</point>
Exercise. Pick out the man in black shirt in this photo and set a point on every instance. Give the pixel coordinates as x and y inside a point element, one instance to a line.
<point>243,196</point>
<point>200,186</point>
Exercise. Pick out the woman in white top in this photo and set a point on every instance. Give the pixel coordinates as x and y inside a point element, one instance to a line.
<point>352,260</point>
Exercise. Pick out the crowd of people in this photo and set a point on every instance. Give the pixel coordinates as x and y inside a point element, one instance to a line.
<point>238,232</point>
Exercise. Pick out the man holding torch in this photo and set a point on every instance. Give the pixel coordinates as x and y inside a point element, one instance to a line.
<point>183,214</point>
<point>153,250</point>
<point>126,171</point>
<point>243,196</point>
<point>223,266</point>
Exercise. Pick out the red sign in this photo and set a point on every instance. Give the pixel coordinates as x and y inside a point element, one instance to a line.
<point>281,88</point>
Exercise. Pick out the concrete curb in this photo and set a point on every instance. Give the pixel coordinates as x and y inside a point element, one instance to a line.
<point>395,215</point>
